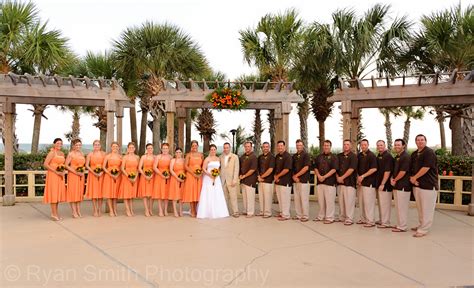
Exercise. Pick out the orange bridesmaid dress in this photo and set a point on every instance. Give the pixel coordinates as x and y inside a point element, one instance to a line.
<point>161,187</point>
<point>55,187</point>
<point>192,187</point>
<point>75,183</point>
<point>145,187</point>
<point>128,190</point>
<point>176,187</point>
<point>94,183</point>
<point>111,186</point>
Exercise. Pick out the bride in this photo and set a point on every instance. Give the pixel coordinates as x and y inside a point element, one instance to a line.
<point>212,203</point>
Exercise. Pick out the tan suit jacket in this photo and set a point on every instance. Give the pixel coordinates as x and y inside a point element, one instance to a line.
<point>229,172</point>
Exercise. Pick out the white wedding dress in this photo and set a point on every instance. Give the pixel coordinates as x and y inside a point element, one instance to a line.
<point>212,202</point>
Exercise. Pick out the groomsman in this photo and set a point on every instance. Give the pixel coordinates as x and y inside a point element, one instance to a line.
<point>248,178</point>
<point>424,177</point>
<point>282,178</point>
<point>346,178</point>
<point>325,167</point>
<point>401,184</point>
<point>301,186</point>
<point>384,189</point>
<point>366,168</point>
<point>266,165</point>
<point>230,177</point>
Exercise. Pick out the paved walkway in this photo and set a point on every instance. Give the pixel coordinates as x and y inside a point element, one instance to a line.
<point>257,252</point>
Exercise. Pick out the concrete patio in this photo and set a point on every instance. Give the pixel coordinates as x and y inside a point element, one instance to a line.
<point>234,252</point>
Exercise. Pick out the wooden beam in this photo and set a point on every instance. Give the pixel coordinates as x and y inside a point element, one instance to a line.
<point>9,111</point>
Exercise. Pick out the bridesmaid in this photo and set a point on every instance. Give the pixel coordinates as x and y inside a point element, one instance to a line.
<point>112,162</point>
<point>95,178</point>
<point>55,187</point>
<point>176,183</point>
<point>75,162</point>
<point>161,184</point>
<point>192,187</point>
<point>145,184</point>
<point>129,186</point>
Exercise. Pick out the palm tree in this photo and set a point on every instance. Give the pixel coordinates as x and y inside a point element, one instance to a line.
<point>314,72</point>
<point>387,112</point>
<point>364,45</point>
<point>410,113</point>
<point>257,127</point>
<point>271,48</point>
<point>206,125</point>
<point>443,44</point>
<point>146,54</point>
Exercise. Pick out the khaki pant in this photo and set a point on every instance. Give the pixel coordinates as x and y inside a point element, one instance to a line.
<point>265,198</point>
<point>284,199</point>
<point>402,203</point>
<point>231,192</point>
<point>368,204</point>
<point>340,200</point>
<point>349,193</point>
<point>425,204</point>
<point>301,191</point>
<point>385,206</point>
<point>360,202</point>
<point>326,199</point>
<point>248,195</point>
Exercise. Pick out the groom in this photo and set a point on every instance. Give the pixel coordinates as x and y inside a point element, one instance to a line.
<point>230,177</point>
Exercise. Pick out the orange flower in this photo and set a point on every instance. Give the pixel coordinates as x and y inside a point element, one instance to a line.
<point>214,104</point>
<point>237,102</point>
<point>228,97</point>
<point>229,102</point>
<point>214,95</point>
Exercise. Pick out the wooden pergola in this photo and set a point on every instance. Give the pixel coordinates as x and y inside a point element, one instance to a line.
<point>56,90</point>
<point>178,96</point>
<point>443,89</point>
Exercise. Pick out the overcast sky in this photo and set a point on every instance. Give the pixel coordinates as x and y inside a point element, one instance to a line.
<point>214,25</point>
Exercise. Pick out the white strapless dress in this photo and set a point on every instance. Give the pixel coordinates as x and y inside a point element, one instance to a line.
<point>212,202</point>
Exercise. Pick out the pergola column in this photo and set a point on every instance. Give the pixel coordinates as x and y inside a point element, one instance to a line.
<point>170,112</point>
<point>181,114</point>
<point>119,116</point>
<point>346,111</point>
<point>285,122</point>
<point>9,111</point>
<point>110,107</point>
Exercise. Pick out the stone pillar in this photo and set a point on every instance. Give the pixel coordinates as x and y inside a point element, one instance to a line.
<point>110,107</point>
<point>285,122</point>
<point>170,112</point>
<point>346,111</point>
<point>9,111</point>
<point>470,208</point>
<point>119,116</point>
<point>181,114</point>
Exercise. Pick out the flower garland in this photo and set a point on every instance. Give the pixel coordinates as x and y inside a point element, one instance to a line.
<point>227,98</point>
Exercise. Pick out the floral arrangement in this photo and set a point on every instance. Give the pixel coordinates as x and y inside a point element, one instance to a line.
<point>132,175</point>
<point>198,171</point>
<point>166,173</point>
<point>81,169</point>
<point>148,172</point>
<point>114,171</point>
<point>60,168</point>
<point>98,169</point>
<point>227,98</point>
<point>214,172</point>
<point>181,176</point>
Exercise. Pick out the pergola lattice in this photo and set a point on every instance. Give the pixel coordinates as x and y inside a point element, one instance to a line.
<point>56,90</point>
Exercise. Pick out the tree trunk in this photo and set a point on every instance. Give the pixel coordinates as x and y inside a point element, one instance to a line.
<point>76,125</point>
<point>388,130</point>
<point>143,126</point>
<point>456,134</point>
<point>38,114</point>
<point>188,131</point>
<point>468,132</point>
<point>303,111</point>
<point>257,131</point>
<point>442,133</point>
<point>103,139</point>
<point>406,130</point>
<point>206,142</point>
<point>322,133</point>
<point>133,124</point>
<point>271,129</point>
<point>157,132</point>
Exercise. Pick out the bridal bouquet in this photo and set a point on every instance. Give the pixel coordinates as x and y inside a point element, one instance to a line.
<point>114,172</point>
<point>148,173</point>
<point>81,169</point>
<point>181,176</point>
<point>198,171</point>
<point>132,175</point>
<point>214,172</point>
<point>98,169</point>
<point>60,168</point>
<point>166,173</point>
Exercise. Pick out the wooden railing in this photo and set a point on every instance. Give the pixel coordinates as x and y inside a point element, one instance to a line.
<point>29,185</point>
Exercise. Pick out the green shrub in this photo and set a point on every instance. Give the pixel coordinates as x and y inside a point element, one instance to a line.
<point>25,161</point>
<point>460,165</point>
